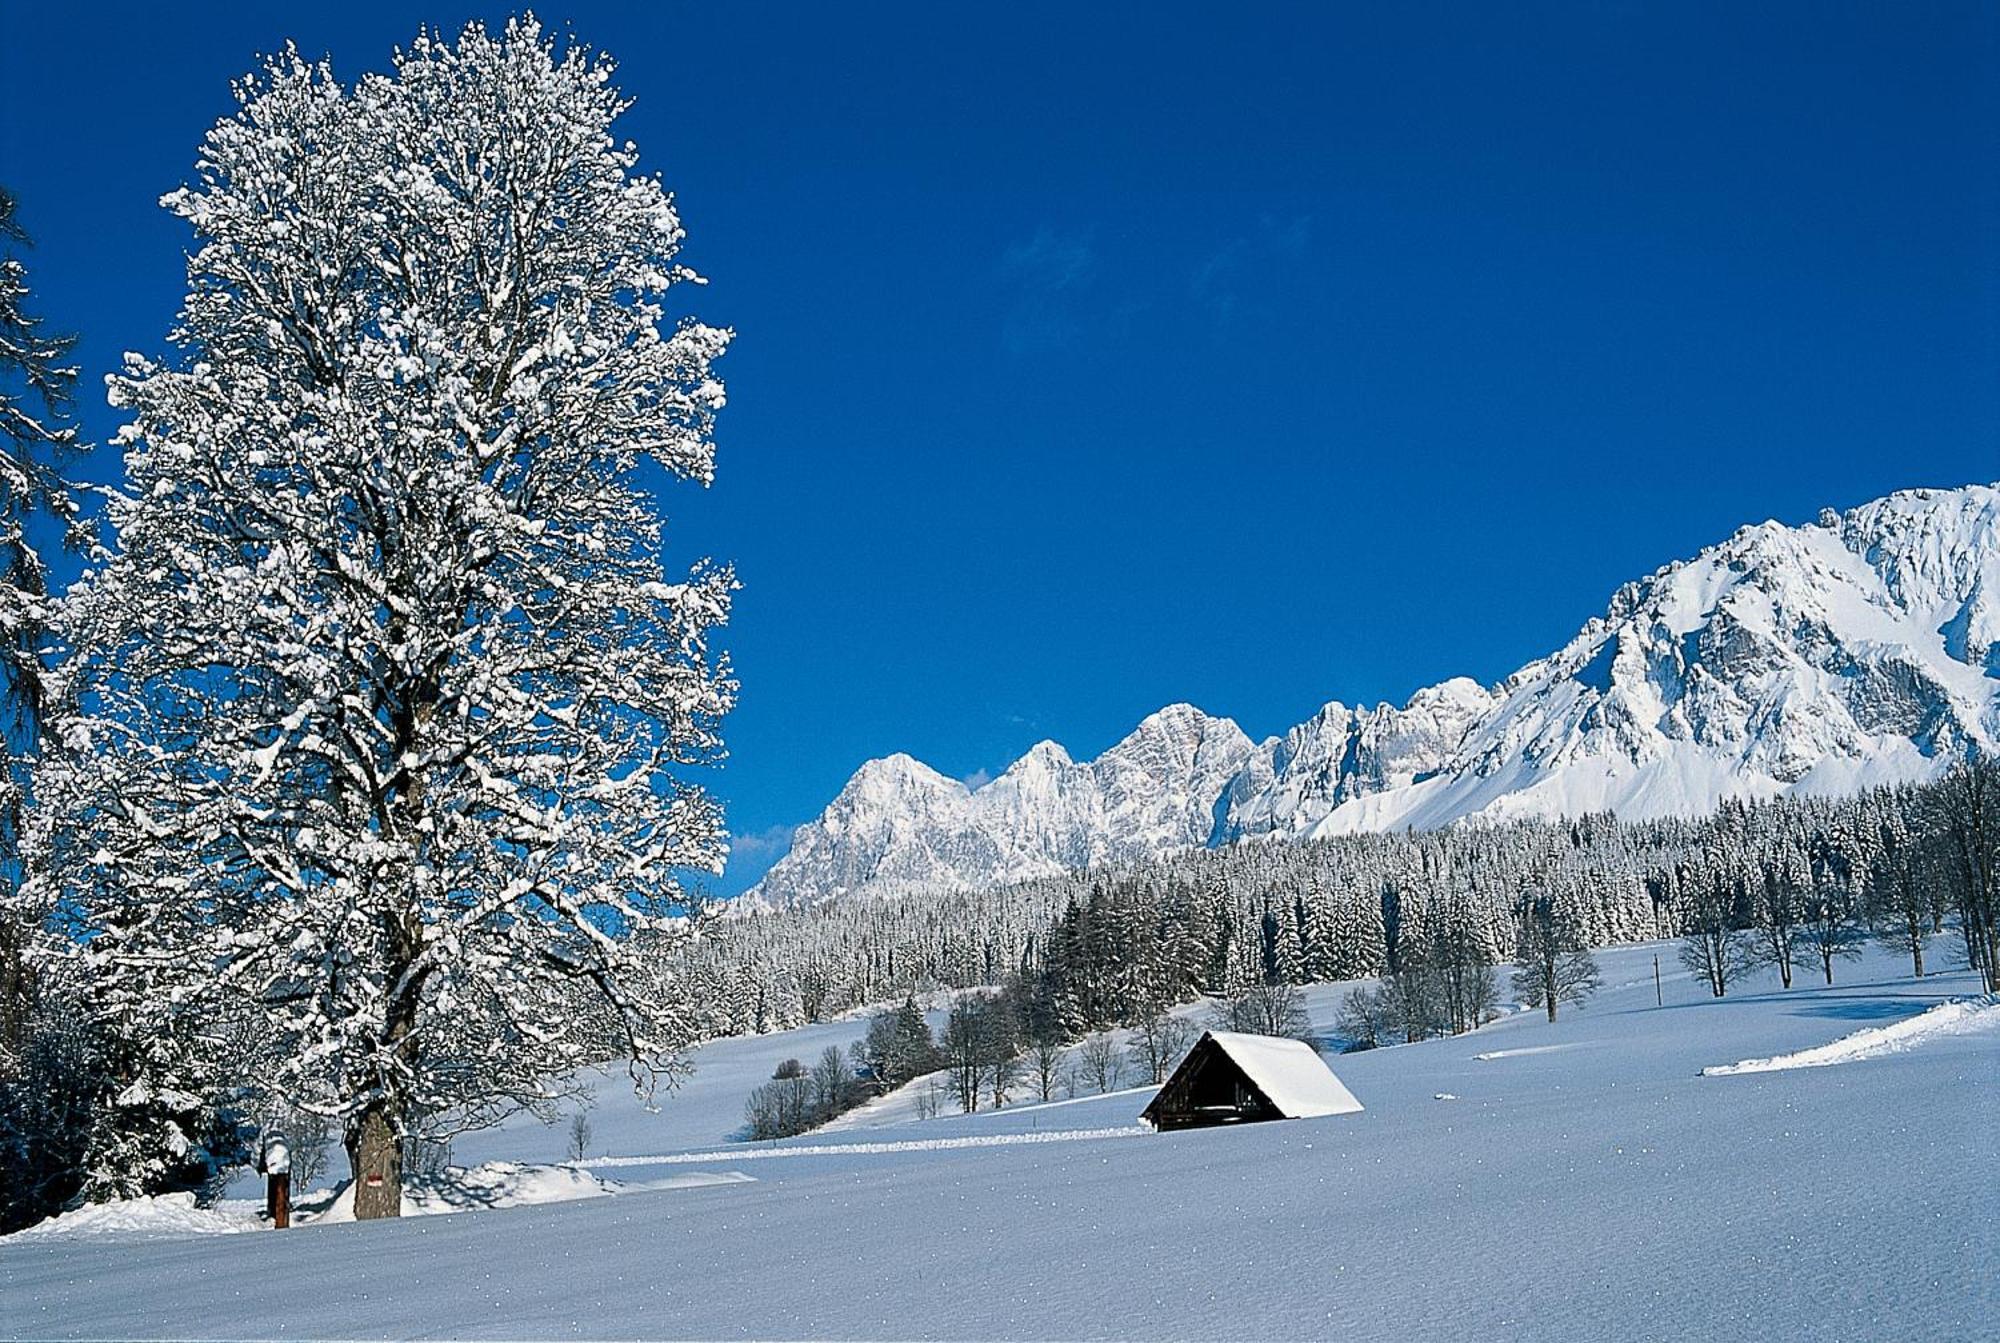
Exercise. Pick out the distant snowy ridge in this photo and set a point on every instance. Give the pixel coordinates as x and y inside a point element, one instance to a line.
<point>900,824</point>
<point>1824,658</point>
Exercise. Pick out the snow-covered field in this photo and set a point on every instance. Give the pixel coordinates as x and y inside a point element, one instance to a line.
<point>1586,1181</point>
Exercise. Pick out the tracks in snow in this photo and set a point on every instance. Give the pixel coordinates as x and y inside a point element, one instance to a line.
<point>866,1148</point>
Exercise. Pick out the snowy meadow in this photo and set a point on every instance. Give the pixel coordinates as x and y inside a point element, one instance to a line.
<point>1525,1180</point>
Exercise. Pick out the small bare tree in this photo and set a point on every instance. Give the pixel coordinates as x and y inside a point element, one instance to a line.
<point>1413,1001</point>
<point>307,1135</point>
<point>1552,961</point>
<point>579,1134</point>
<point>1045,1057</point>
<point>1364,1020</point>
<point>1157,1043</point>
<point>1777,916</point>
<point>1714,944</point>
<point>833,1085</point>
<point>1100,1062</point>
<point>1265,1009</point>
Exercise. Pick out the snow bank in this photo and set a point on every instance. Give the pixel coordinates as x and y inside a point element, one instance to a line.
<point>1963,1017</point>
<point>497,1184</point>
<point>162,1215</point>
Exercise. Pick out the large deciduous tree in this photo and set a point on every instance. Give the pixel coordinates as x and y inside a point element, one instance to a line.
<point>375,743</point>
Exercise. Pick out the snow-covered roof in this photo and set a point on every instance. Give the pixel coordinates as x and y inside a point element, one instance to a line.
<point>1290,1073</point>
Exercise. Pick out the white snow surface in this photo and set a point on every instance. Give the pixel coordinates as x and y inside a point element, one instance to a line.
<point>1290,1073</point>
<point>1825,658</point>
<point>1600,1191</point>
<point>1971,1016</point>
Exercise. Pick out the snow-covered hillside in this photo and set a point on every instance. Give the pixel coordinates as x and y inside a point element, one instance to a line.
<point>1529,1181</point>
<point>1860,649</point>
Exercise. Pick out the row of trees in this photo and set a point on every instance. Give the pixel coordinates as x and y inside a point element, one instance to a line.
<point>1765,889</point>
<point>798,1098</point>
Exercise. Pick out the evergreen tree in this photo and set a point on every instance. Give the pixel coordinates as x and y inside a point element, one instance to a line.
<point>37,440</point>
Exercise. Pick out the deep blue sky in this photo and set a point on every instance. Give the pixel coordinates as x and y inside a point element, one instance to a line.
<point>1091,361</point>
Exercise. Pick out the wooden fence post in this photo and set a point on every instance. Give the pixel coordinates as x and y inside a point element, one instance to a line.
<point>277,1181</point>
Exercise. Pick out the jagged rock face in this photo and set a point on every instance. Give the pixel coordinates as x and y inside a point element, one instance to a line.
<point>899,823</point>
<point>1861,649</point>
<point>1822,658</point>
<point>1162,786</point>
<point>1341,753</point>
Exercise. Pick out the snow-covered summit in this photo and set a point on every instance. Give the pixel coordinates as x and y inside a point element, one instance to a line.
<point>1858,649</point>
<point>1822,658</point>
<point>898,823</point>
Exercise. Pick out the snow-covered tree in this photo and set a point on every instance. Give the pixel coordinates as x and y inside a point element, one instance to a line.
<point>376,739</point>
<point>37,436</point>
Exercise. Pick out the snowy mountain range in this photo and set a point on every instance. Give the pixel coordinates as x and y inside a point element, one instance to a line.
<point>1860,649</point>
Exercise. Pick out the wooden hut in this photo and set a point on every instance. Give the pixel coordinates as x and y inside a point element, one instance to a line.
<point>1229,1078</point>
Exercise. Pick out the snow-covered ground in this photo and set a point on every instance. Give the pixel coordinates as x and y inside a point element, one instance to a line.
<point>1969,1016</point>
<point>1587,1182</point>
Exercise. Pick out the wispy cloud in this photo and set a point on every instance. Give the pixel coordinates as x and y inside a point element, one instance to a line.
<point>1046,277</point>
<point>978,779</point>
<point>1238,267</point>
<point>760,848</point>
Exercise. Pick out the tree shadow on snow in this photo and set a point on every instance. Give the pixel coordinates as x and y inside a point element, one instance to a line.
<point>1869,1009</point>
<point>1817,1002</point>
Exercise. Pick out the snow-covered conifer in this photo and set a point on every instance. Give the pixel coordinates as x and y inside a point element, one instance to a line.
<point>37,387</point>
